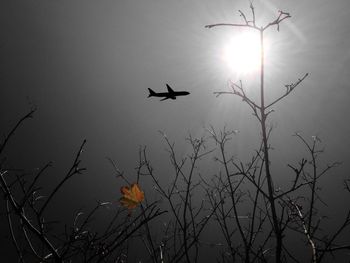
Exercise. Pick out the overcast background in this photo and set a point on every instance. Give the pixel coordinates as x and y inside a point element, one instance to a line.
<point>87,65</point>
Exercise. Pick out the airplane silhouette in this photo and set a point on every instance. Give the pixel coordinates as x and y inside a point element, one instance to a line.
<point>171,94</point>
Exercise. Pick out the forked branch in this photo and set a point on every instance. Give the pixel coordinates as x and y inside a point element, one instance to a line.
<point>289,89</point>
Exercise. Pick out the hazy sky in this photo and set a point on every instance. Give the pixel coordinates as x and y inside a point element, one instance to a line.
<point>87,66</point>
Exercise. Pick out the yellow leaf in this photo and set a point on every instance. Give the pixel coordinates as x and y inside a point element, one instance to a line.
<point>131,196</point>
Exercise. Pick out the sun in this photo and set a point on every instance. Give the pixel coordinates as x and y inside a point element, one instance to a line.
<point>242,53</point>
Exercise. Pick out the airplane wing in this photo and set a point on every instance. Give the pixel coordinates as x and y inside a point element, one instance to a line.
<point>170,90</point>
<point>164,98</point>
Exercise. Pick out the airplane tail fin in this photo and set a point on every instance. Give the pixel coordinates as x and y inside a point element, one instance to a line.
<point>151,93</point>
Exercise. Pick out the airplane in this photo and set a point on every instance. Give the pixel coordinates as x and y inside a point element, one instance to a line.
<point>171,94</point>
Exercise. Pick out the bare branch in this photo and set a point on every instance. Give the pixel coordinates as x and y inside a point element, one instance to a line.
<point>75,169</point>
<point>18,124</point>
<point>290,88</point>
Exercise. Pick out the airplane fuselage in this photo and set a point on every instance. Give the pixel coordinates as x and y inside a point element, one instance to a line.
<point>174,94</point>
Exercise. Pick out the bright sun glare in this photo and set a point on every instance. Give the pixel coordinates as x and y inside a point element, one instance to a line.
<point>242,52</point>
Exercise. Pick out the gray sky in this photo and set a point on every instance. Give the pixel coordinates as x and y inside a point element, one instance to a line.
<point>87,66</point>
